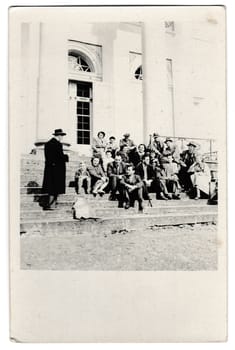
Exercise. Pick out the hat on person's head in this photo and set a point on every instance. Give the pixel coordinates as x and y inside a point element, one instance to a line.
<point>191,143</point>
<point>58,132</point>
<point>126,134</point>
<point>155,134</point>
<point>101,132</point>
<point>169,139</point>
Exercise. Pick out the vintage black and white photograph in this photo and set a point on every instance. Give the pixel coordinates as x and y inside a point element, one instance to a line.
<point>121,153</point>
<point>119,165</point>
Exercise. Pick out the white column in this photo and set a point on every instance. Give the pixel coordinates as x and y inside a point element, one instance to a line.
<point>29,83</point>
<point>156,115</point>
<point>52,94</point>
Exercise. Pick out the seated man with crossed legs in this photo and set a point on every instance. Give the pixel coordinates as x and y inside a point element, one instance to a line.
<point>131,189</point>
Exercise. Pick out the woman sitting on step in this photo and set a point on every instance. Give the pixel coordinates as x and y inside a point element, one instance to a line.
<point>200,177</point>
<point>99,180</point>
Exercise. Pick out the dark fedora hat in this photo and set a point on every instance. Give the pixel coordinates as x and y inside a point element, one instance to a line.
<point>126,134</point>
<point>191,143</point>
<point>169,139</point>
<point>58,132</point>
<point>156,134</point>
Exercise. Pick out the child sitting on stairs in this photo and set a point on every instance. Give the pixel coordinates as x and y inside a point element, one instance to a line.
<point>82,179</point>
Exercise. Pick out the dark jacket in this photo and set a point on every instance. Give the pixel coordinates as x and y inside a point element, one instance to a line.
<point>140,171</point>
<point>188,158</point>
<point>112,168</point>
<point>125,157</point>
<point>135,157</point>
<point>134,180</point>
<point>54,172</point>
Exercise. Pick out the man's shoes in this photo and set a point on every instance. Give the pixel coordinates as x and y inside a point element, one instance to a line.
<point>112,197</point>
<point>48,208</point>
<point>127,206</point>
<point>176,196</point>
<point>101,193</point>
<point>162,196</point>
<point>168,196</point>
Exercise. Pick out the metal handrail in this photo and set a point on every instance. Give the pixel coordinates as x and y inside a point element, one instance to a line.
<point>211,151</point>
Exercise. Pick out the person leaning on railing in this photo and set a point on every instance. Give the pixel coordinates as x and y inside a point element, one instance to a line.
<point>156,144</point>
<point>187,160</point>
<point>200,177</point>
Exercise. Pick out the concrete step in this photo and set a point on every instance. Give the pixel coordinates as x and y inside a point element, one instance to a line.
<point>70,168</point>
<point>63,212</point>
<point>32,194</point>
<point>28,200</point>
<point>39,173</point>
<point>35,198</point>
<point>27,159</point>
<point>69,199</point>
<point>32,190</point>
<point>32,201</point>
<point>126,222</point>
<point>26,180</point>
<point>38,165</point>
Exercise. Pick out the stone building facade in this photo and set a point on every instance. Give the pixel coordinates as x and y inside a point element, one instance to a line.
<point>137,77</point>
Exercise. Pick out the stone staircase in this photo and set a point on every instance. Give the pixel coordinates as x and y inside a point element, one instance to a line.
<point>105,214</point>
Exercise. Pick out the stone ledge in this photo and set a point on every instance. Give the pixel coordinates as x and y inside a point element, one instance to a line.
<point>59,227</point>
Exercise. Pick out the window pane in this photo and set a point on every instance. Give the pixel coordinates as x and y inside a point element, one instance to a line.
<point>79,137</point>
<point>80,122</point>
<point>86,134</point>
<point>86,108</point>
<point>83,90</point>
<point>83,122</point>
<point>79,108</point>
<point>86,141</point>
<point>86,122</point>
<point>83,137</point>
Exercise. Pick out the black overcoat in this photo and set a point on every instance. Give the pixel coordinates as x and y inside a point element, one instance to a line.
<point>55,170</point>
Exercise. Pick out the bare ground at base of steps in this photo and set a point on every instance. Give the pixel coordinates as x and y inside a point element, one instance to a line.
<point>182,248</point>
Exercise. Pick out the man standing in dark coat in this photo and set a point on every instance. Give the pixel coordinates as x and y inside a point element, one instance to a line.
<point>54,172</point>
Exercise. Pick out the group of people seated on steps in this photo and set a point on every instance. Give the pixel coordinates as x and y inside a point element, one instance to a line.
<point>129,172</point>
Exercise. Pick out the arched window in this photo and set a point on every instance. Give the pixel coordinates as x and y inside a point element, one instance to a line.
<point>139,73</point>
<point>79,63</point>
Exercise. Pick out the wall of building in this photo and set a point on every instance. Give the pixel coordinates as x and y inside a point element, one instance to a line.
<point>118,97</point>
<point>197,69</point>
